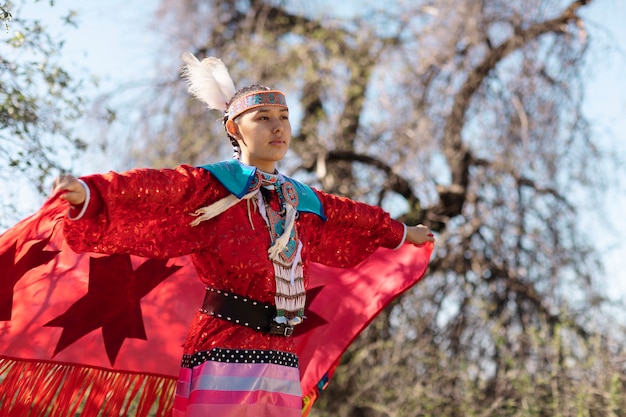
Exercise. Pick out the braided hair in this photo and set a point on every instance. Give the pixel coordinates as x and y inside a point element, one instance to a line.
<point>240,93</point>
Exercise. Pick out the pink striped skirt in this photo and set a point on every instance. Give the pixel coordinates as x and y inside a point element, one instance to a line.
<point>239,383</point>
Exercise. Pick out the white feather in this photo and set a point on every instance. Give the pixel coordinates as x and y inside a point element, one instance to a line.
<point>208,81</point>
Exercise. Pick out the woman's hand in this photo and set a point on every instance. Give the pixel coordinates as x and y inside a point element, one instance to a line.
<point>74,192</point>
<point>419,234</point>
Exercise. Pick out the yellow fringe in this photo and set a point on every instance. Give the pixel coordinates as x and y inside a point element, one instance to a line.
<point>30,388</point>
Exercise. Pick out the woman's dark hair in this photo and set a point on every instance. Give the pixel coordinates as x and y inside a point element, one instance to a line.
<point>240,93</point>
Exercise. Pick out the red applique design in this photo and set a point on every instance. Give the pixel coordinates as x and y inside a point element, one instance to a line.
<point>313,320</point>
<point>112,302</point>
<point>11,272</point>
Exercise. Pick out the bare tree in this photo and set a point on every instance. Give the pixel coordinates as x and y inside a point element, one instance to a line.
<point>465,116</point>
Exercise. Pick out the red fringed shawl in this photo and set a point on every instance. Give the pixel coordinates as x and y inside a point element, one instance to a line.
<point>74,336</point>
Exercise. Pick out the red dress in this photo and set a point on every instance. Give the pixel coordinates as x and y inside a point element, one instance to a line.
<point>146,212</point>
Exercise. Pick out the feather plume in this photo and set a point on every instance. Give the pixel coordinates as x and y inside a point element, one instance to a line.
<point>208,80</point>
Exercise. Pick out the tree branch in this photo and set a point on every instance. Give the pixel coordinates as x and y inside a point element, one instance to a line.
<point>459,158</point>
<point>395,182</point>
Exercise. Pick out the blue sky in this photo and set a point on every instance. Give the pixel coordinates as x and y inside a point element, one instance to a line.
<point>605,106</point>
<point>114,41</point>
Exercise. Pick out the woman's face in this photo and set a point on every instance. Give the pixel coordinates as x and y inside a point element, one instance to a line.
<point>264,134</point>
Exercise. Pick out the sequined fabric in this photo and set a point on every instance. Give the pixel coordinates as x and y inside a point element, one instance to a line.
<point>146,212</point>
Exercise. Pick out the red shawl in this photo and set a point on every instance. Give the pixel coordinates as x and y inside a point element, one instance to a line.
<point>74,336</point>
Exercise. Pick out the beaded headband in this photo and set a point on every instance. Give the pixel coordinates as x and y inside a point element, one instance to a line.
<point>256,99</point>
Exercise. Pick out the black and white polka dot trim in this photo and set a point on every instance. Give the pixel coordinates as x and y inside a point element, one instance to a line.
<point>241,356</point>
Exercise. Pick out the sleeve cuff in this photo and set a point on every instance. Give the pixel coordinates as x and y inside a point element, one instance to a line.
<point>77,212</point>
<point>395,235</point>
<point>403,237</point>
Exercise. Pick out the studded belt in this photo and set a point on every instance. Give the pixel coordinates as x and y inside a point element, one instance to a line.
<point>244,311</point>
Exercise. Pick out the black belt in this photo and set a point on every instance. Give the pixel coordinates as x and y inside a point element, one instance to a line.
<point>244,311</point>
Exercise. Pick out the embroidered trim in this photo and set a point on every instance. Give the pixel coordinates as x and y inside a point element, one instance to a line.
<point>257,99</point>
<point>289,193</point>
<point>275,357</point>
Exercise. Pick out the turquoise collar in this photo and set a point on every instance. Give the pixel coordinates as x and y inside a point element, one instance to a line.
<point>237,178</point>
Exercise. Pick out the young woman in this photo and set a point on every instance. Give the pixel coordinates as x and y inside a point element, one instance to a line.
<point>251,235</point>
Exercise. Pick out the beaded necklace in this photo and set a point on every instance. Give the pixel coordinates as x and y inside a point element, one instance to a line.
<point>276,218</point>
<point>290,292</point>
